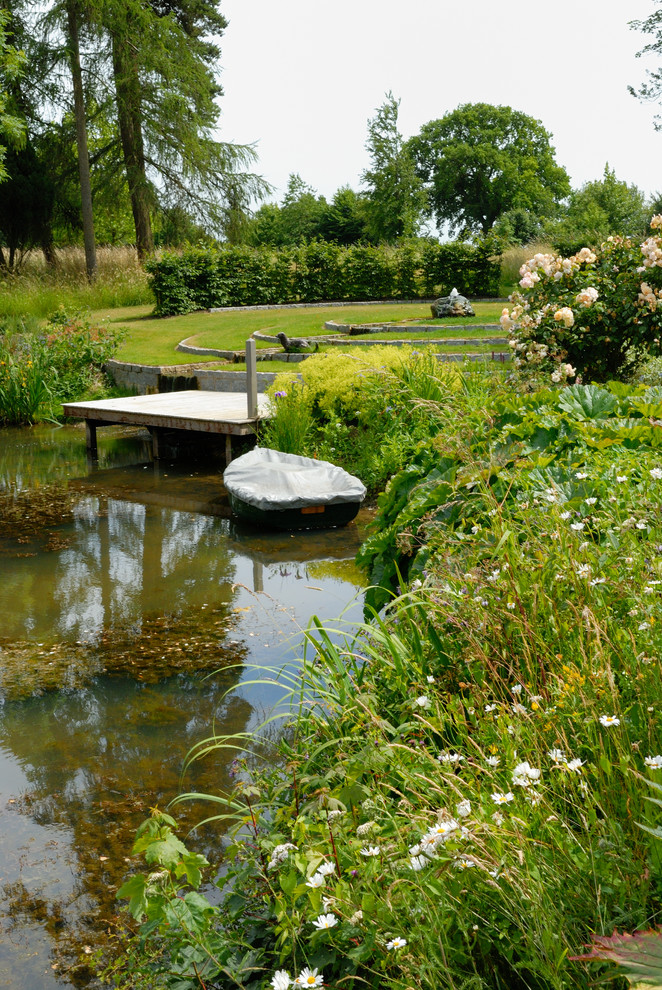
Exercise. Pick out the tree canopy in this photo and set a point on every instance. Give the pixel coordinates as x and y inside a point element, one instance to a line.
<point>396,199</point>
<point>12,129</point>
<point>480,161</point>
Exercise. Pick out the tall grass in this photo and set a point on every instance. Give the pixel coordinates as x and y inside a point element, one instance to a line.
<point>38,290</point>
<point>514,257</point>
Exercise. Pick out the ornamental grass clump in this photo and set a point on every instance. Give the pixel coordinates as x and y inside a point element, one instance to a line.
<point>591,316</point>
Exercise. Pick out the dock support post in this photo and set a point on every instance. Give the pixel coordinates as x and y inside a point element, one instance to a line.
<point>156,445</point>
<point>91,438</point>
<point>228,448</point>
<point>251,379</point>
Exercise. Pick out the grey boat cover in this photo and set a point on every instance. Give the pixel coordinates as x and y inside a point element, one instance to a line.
<point>268,479</point>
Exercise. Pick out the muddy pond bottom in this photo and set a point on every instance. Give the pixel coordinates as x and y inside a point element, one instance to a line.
<point>130,605</point>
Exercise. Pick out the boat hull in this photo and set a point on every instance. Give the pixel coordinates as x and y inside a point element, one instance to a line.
<point>307,517</point>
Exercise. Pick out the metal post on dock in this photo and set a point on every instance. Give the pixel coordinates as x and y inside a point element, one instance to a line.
<point>251,379</point>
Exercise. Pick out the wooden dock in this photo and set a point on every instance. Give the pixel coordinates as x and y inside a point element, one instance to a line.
<point>225,413</point>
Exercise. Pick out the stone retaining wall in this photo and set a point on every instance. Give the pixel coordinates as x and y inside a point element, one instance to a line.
<point>148,379</point>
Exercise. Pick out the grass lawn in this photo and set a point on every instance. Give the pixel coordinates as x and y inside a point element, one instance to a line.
<point>153,340</point>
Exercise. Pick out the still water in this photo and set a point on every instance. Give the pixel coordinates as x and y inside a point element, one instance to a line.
<point>130,604</point>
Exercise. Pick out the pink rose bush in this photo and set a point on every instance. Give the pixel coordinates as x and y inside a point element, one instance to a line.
<point>594,315</point>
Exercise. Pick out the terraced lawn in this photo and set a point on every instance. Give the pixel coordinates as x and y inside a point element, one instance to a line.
<point>153,340</point>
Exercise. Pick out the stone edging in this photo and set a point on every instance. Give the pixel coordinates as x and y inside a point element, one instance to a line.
<point>360,328</point>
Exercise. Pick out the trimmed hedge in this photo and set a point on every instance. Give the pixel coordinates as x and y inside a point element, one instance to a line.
<point>206,278</point>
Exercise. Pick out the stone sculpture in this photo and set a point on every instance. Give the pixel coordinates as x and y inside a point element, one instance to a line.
<point>453,305</point>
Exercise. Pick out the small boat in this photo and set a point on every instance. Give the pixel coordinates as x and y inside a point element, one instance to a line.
<point>285,491</point>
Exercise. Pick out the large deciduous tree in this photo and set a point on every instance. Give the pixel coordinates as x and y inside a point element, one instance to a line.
<point>480,161</point>
<point>395,196</point>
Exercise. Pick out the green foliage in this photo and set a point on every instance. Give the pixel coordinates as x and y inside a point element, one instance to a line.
<point>396,198</point>
<point>459,799</point>
<point>43,366</point>
<point>594,314</point>
<point>598,209</point>
<point>366,410</point>
<point>291,420</point>
<point>480,161</point>
<point>12,64</point>
<point>26,205</point>
<point>208,277</point>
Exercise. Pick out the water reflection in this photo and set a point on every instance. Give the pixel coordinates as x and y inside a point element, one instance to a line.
<point>140,574</point>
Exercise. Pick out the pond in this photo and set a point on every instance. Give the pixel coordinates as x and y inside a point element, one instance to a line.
<point>130,604</point>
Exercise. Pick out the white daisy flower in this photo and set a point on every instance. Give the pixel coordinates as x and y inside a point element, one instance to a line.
<point>325,921</point>
<point>463,863</point>
<point>581,475</point>
<point>656,473</point>
<point>317,880</point>
<point>423,702</point>
<point>608,720</point>
<point>280,980</point>
<point>396,943</point>
<point>654,762</point>
<point>492,761</point>
<point>463,808</point>
<point>499,798</point>
<point>577,526</point>
<point>557,755</point>
<point>565,515</point>
<point>418,863</point>
<point>309,978</point>
<point>370,851</point>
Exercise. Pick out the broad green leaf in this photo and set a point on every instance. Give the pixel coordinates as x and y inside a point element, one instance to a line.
<point>587,402</point>
<point>134,890</point>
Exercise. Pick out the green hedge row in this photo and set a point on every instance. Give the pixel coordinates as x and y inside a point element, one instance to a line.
<point>203,278</point>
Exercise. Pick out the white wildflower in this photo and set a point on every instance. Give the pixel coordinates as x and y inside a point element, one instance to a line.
<point>608,720</point>
<point>499,798</point>
<point>325,921</point>
<point>396,943</point>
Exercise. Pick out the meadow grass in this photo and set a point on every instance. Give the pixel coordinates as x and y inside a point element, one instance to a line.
<point>39,291</point>
<point>513,258</point>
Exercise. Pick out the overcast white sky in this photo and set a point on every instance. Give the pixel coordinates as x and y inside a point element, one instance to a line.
<point>302,78</point>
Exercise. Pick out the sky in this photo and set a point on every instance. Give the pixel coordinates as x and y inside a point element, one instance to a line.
<point>301,79</point>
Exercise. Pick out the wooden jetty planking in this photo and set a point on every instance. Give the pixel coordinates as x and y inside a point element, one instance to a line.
<point>207,412</point>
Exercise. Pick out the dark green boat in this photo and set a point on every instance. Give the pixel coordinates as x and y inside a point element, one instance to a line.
<point>285,491</point>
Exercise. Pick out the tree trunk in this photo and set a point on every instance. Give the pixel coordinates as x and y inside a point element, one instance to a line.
<point>127,91</point>
<point>81,142</point>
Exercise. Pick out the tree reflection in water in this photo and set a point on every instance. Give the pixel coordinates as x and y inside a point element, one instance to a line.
<point>114,605</point>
